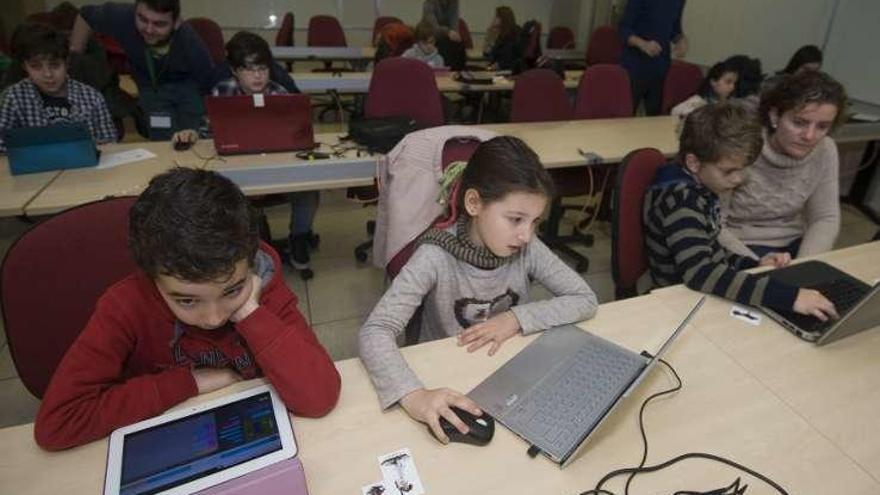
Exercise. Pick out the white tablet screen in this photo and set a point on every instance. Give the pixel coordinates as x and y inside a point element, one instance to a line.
<point>177,452</point>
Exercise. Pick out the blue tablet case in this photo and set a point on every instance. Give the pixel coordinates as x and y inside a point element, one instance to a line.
<point>56,147</point>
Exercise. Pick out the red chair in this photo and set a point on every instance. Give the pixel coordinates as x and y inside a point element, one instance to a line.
<point>604,47</point>
<point>325,30</point>
<point>628,258</point>
<point>404,87</point>
<point>211,34</point>
<point>380,23</point>
<point>51,278</point>
<point>539,95</point>
<point>465,33</point>
<point>454,150</point>
<point>603,93</point>
<point>682,81</point>
<point>284,36</point>
<point>560,38</point>
<point>398,87</point>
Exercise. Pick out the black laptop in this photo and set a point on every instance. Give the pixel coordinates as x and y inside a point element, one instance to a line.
<point>857,303</point>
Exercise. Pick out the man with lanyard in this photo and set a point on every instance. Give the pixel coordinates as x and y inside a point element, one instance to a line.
<point>169,62</point>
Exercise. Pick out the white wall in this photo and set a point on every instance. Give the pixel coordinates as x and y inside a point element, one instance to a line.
<point>851,53</point>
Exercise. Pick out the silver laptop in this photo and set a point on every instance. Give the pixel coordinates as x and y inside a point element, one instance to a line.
<point>558,390</point>
<point>857,303</point>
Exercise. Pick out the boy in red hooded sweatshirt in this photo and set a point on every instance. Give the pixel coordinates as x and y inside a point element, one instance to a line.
<point>208,307</point>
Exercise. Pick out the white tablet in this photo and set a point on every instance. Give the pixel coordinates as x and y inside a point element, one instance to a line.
<point>185,451</point>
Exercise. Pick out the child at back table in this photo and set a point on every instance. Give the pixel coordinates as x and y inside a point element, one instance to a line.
<point>207,307</point>
<point>683,222</point>
<point>472,281</point>
<point>718,85</point>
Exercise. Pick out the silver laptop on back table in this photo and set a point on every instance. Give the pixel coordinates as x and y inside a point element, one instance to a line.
<point>558,390</point>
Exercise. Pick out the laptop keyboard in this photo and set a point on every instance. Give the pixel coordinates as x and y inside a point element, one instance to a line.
<point>557,413</point>
<point>843,292</point>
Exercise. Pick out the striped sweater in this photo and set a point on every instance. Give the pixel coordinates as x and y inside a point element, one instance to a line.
<point>682,221</point>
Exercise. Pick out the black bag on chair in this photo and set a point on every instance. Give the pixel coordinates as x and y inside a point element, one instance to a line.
<point>380,134</point>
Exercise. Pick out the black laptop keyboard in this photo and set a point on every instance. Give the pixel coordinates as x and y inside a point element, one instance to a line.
<point>843,292</point>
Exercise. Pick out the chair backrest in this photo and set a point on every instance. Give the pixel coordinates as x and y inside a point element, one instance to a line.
<point>404,87</point>
<point>211,35</point>
<point>51,279</point>
<point>628,258</point>
<point>380,23</point>
<point>455,150</point>
<point>539,95</point>
<point>325,30</point>
<point>604,47</point>
<point>284,36</point>
<point>603,93</point>
<point>682,81</point>
<point>560,38</point>
<point>465,33</point>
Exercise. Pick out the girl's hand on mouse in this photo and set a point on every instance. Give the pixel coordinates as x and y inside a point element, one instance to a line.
<point>428,405</point>
<point>496,330</point>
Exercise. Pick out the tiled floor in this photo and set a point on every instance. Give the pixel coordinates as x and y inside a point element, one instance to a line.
<point>342,293</point>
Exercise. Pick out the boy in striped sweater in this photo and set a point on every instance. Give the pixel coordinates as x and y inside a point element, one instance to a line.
<point>682,218</point>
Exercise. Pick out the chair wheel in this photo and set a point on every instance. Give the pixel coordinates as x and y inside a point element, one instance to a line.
<point>360,255</point>
<point>306,274</point>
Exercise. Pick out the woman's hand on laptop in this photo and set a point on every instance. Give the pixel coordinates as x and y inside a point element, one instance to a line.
<point>428,405</point>
<point>813,303</point>
<point>496,330</point>
<point>776,260</point>
<point>211,379</point>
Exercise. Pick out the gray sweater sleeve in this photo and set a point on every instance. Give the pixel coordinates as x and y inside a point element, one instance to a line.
<point>574,300</point>
<point>822,210</point>
<point>391,376</point>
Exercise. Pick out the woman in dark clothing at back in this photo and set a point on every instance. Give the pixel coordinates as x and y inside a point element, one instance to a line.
<point>503,47</point>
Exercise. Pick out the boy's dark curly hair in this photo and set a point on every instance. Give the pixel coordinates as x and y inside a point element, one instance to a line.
<point>192,224</point>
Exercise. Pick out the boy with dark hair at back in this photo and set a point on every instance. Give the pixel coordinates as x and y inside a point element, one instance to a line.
<point>48,96</point>
<point>425,47</point>
<point>252,70</point>
<point>682,218</point>
<point>208,307</point>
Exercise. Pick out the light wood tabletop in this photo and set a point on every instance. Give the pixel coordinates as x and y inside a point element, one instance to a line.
<point>722,409</point>
<point>836,388</point>
<point>16,191</point>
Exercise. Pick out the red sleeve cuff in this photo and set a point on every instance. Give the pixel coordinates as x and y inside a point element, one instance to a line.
<point>177,385</point>
<point>260,329</point>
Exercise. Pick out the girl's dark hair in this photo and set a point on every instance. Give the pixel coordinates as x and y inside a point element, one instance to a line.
<point>246,47</point>
<point>163,6</point>
<point>507,26</point>
<point>38,40</point>
<point>750,75</point>
<point>501,166</point>
<point>715,72</point>
<point>807,54</point>
<point>192,224</point>
<point>795,91</point>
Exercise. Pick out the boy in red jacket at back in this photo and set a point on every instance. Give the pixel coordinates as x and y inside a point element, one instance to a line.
<point>207,308</point>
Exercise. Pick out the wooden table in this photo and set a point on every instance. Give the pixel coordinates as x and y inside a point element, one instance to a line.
<point>723,409</point>
<point>350,54</point>
<point>556,143</point>
<point>836,388</point>
<point>16,191</point>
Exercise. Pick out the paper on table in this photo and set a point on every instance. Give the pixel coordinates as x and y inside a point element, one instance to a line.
<point>110,160</point>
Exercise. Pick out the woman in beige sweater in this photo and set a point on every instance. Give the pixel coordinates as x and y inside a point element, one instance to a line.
<point>790,202</point>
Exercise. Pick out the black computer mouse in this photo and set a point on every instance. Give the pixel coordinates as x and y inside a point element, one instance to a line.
<point>182,145</point>
<point>482,428</point>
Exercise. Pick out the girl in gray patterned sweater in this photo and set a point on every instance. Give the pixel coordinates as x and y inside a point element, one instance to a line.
<point>472,281</point>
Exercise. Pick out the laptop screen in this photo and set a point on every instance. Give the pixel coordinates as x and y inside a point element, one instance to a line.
<point>174,453</point>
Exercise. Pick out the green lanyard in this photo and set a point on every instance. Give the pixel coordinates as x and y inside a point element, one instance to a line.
<point>154,77</point>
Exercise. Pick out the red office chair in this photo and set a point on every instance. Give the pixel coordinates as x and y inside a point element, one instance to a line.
<point>628,258</point>
<point>399,87</point>
<point>211,34</point>
<point>603,93</point>
<point>604,47</point>
<point>325,30</point>
<point>51,278</point>
<point>284,36</point>
<point>465,33</point>
<point>560,38</point>
<point>454,150</point>
<point>380,23</point>
<point>682,81</point>
<point>539,95</point>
